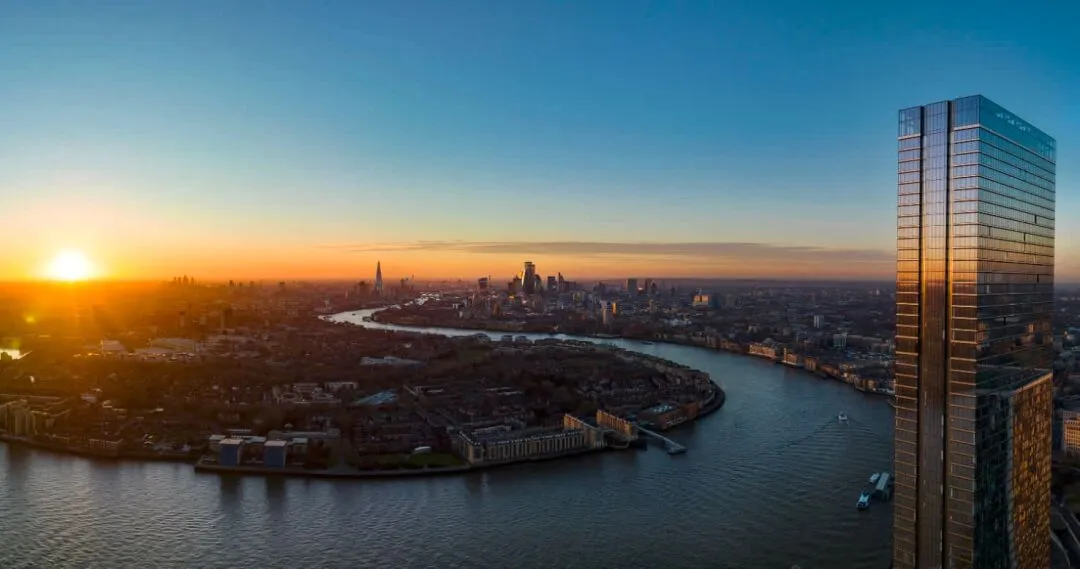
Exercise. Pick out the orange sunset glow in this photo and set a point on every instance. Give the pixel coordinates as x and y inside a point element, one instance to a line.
<point>437,260</point>
<point>70,266</point>
<point>704,284</point>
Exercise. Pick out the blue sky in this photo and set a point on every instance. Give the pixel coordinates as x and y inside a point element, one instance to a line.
<point>314,132</point>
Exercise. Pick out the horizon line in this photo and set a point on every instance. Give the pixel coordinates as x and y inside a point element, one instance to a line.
<point>352,279</point>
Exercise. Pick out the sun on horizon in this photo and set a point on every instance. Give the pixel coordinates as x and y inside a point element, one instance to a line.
<point>69,266</point>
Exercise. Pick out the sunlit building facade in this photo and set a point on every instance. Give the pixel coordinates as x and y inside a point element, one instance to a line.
<point>528,278</point>
<point>497,446</point>
<point>975,268</point>
<point>1070,426</point>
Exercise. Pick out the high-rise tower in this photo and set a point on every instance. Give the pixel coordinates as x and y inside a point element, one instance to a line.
<point>378,279</point>
<point>974,295</point>
<point>528,278</point>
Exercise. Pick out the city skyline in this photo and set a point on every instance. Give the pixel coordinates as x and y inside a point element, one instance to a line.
<point>264,260</point>
<point>307,150</point>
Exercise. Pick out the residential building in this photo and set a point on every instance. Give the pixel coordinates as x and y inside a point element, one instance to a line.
<point>1070,430</point>
<point>975,271</point>
<point>275,453</point>
<point>763,350</point>
<point>497,447</point>
<point>792,358</point>
<point>607,312</point>
<point>705,301</point>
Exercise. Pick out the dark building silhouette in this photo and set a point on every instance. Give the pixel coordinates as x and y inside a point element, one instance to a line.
<point>528,278</point>
<point>378,279</point>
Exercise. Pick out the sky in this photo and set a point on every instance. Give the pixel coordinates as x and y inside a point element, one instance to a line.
<point>251,139</point>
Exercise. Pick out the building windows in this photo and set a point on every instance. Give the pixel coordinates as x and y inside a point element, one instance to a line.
<point>989,184</point>
<point>910,121</point>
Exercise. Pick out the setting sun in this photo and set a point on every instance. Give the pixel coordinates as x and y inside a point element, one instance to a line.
<point>69,266</point>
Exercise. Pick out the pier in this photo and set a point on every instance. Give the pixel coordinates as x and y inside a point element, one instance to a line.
<point>670,446</point>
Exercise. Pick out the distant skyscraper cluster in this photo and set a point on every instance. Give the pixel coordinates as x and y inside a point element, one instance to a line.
<point>379,290</point>
<point>529,282</point>
<point>975,271</point>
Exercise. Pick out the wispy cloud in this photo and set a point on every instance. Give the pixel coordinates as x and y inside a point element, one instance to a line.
<point>758,253</point>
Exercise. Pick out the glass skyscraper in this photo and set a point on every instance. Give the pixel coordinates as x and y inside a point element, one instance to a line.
<point>974,344</point>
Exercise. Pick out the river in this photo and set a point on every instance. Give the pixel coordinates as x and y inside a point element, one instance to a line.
<point>770,480</point>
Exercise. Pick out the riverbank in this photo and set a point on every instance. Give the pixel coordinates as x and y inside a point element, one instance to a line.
<point>201,466</point>
<point>57,448</point>
<point>346,474</point>
<point>712,405</point>
<point>663,339</point>
<point>292,472</point>
<point>715,403</point>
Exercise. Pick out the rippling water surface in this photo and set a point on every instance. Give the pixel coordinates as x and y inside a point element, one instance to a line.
<point>770,480</point>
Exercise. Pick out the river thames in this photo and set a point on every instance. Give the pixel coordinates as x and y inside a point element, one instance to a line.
<point>770,480</point>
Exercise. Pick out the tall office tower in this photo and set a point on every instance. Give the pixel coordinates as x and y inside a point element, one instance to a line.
<point>378,279</point>
<point>647,286</point>
<point>552,284</point>
<point>631,286</point>
<point>528,278</point>
<point>974,281</point>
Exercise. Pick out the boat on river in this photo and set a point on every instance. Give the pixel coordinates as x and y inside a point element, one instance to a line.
<point>864,501</point>
<point>875,477</point>
<point>842,417</point>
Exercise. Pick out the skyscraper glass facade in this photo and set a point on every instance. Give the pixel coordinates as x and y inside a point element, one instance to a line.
<point>975,269</point>
<point>528,278</point>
